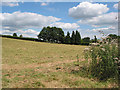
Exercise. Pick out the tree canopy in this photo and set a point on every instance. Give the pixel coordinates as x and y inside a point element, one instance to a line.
<point>73,38</point>
<point>77,38</point>
<point>51,34</point>
<point>21,36</point>
<point>14,34</point>
<point>86,41</point>
<point>67,38</point>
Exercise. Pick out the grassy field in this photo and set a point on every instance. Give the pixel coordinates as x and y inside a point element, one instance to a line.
<point>28,64</point>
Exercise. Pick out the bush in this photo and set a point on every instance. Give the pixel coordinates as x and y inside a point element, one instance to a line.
<point>15,34</point>
<point>103,60</point>
<point>85,41</point>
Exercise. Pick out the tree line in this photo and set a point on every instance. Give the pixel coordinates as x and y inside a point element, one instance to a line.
<point>56,35</point>
<point>15,36</point>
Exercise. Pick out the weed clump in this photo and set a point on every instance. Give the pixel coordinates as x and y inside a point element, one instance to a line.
<point>103,59</point>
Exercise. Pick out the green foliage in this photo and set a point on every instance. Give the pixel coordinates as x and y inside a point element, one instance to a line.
<point>113,36</point>
<point>21,36</point>
<point>38,84</point>
<point>104,60</point>
<point>77,38</point>
<point>95,39</point>
<point>56,35</point>
<point>77,58</point>
<point>67,38</point>
<point>73,38</point>
<point>51,34</point>
<point>86,41</point>
<point>14,34</point>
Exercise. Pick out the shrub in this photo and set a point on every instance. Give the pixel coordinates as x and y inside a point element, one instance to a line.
<point>85,41</point>
<point>14,34</point>
<point>103,60</point>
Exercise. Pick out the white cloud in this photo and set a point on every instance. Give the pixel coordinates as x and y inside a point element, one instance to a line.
<point>25,33</point>
<point>21,22</point>
<point>6,32</point>
<point>107,29</point>
<point>115,6</point>
<point>10,4</point>
<point>29,31</point>
<point>25,20</point>
<point>66,26</point>
<point>102,20</point>
<point>92,32</point>
<point>44,4</point>
<point>87,10</point>
<point>36,0</point>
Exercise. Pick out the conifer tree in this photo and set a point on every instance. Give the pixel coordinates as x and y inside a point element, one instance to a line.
<point>67,38</point>
<point>77,38</point>
<point>95,39</point>
<point>73,38</point>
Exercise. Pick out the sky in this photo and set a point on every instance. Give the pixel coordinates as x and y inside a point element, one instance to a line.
<point>89,18</point>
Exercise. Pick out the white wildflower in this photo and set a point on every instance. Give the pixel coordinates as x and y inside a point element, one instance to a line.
<point>86,49</point>
<point>103,49</point>
<point>91,50</point>
<point>101,45</point>
<point>116,62</point>
<point>116,58</point>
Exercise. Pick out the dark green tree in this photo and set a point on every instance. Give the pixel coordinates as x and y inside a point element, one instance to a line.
<point>86,41</point>
<point>60,35</point>
<point>51,34</point>
<point>14,34</point>
<point>73,38</point>
<point>43,34</point>
<point>67,38</point>
<point>92,40</point>
<point>21,36</point>
<point>77,38</point>
<point>95,38</point>
<point>113,36</point>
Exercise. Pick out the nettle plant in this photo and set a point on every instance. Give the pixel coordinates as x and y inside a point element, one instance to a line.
<point>103,59</point>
